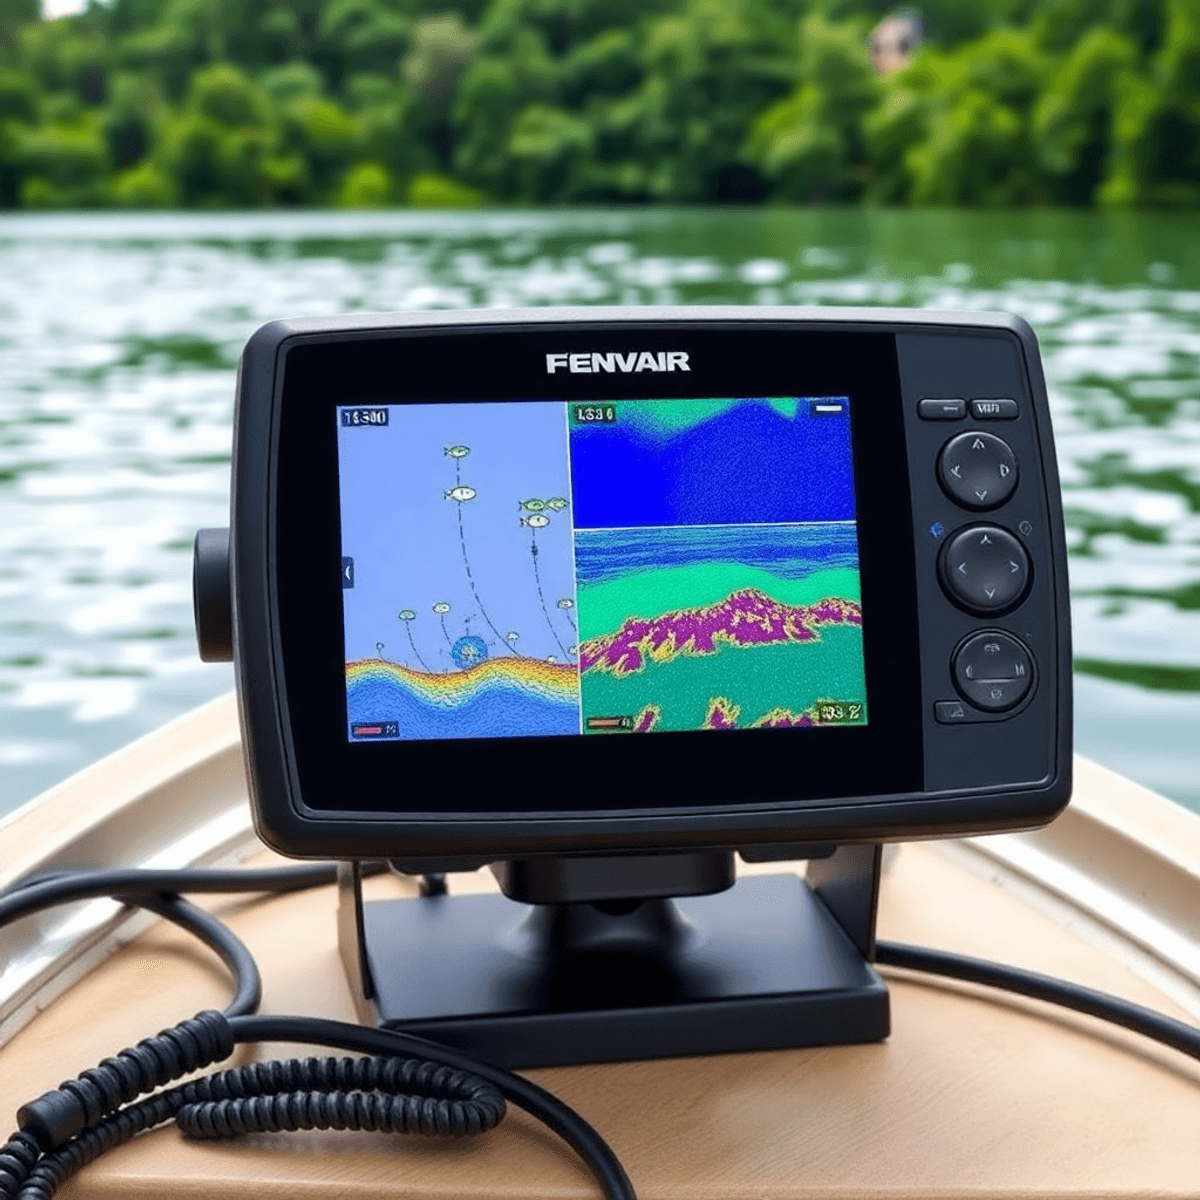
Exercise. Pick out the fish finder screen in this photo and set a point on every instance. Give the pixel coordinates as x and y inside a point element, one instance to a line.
<point>531,568</point>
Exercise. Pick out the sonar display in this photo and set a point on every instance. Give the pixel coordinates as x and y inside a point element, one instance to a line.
<point>543,568</point>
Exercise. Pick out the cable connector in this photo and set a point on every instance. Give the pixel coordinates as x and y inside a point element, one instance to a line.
<point>56,1117</point>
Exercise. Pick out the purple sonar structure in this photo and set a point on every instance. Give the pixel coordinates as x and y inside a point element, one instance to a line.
<point>647,718</point>
<point>723,714</point>
<point>744,618</point>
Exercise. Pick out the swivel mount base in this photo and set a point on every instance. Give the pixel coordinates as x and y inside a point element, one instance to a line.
<point>762,965</point>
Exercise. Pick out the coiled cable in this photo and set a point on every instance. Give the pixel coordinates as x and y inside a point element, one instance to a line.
<point>411,1086</point>
<point>386,1094</point>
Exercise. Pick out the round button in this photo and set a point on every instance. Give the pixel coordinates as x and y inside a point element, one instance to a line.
<point>984,569</point>
<point>992,670</point>
<point>977,470</point>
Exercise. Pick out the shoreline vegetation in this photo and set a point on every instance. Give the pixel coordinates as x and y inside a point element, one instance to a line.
<point>159,104</point>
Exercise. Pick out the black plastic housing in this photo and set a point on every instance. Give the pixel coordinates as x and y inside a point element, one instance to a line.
<point>911,777</point>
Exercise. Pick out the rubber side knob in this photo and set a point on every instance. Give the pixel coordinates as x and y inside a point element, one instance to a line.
<point>212,599</point>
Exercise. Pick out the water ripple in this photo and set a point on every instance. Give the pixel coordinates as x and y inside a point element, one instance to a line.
<point>119,335</point>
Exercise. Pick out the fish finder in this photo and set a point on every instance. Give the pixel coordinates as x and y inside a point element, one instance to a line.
<point>600,597</point>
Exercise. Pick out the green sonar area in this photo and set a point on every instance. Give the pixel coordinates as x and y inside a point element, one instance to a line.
<point>667,417</point>
<point>604,607</point>
<point>791,675</point>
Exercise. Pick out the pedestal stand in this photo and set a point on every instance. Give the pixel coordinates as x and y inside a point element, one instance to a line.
<point>618,968</point>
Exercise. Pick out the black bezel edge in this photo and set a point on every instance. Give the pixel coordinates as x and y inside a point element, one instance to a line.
<point>271,772</point>
<point>1064,708</point>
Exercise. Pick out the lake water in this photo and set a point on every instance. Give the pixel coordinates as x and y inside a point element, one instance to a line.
<point>119,336</point>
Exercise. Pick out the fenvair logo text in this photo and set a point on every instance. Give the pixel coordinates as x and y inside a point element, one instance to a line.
<point>638,360</point>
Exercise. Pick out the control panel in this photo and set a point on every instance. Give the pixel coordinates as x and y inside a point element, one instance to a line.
<point>988,611</point>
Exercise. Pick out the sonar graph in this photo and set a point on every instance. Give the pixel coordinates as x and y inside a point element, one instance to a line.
<point>721,590</point>
<point>460,622</point>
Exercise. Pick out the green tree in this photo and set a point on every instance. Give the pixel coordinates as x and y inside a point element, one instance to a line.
<point>551,150</point>
<point>442,50</point>
<point>1074,116</point>
<point>14,16</point>
<point>359,35</point>
<point>1155,159</point>
<point>365,185</point>
<point>391,135</point>
<point>64,166</point>
<point>1060,25</point>
<point>66,56</point>
<point>208,102</point>
<point>708,69</point>
<point>169,50</point>
<point>283,84</point>
<point>494,90</point>
<point>953,128</point>
<point>220,149</point>
<point>809,144</point>
<point>131,119</point>
<point>18,112</point>
<point>18,96</point>
<point>597,71</point>
<point>322,134</point>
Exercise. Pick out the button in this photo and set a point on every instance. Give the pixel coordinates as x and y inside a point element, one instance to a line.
<point>941,410</point>
<point>984,569</point>
<point>347,572</point>
<point>992,670</point>
<point>994,410</point>
<point>950,712</point>
<point>977,470</point>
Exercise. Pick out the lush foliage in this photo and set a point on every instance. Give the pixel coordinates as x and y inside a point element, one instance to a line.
<point>156,103</point>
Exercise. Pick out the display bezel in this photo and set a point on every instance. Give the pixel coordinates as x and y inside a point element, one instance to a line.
<point>694,774</point>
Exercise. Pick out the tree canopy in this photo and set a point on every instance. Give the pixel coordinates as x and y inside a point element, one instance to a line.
<point>204,103</point>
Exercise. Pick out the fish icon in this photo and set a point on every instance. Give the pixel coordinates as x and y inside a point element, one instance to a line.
<point>461,493</point>
<point>456,451</point>
<point>556,503</point>
<point>532,505</point>
<point>566,603</point>
<point>406,614</point>
<point>537,521</point>
<point>441,607</point>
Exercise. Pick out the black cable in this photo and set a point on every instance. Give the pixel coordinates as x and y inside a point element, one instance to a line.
<point>1176,1034</point>
<point>232,951</point>
<point>536,1101</point>
<point>31,895</point>
<point>132,886</point>
<point>67,1128</point>
<point>63,1130</point>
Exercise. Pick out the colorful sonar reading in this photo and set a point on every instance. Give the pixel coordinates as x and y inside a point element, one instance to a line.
<point>502,697</point>
<point>520,570</point>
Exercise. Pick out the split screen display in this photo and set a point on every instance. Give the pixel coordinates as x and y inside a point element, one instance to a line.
<point>533,568</point>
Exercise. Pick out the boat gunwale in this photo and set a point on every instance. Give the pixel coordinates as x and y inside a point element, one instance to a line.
<point>1121,865</point>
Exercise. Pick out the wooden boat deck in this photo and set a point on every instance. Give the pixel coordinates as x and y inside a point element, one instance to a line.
<point>975,1094</point>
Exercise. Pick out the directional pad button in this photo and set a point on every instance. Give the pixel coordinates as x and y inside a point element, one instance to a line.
<point>992,670</point>
<point>977,470</point>
<point>984,569</point>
